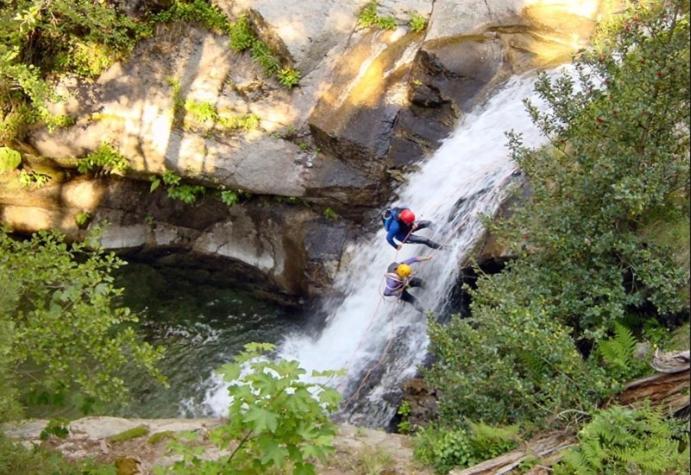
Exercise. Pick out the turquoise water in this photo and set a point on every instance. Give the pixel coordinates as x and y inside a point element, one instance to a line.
<point>202,326</point>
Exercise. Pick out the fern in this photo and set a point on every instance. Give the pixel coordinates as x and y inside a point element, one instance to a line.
<point>618,354</point>
<point>623,440</point>
<point>618,351</point>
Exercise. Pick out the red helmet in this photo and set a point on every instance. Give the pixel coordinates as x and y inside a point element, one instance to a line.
<point>407,216</point>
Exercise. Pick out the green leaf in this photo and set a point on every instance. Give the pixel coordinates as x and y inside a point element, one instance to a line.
<point>261,420</point>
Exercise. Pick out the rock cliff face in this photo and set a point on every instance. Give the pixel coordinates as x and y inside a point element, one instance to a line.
<point>370,104</point>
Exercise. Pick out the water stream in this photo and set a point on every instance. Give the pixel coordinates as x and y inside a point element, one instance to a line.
<point>381,342</point>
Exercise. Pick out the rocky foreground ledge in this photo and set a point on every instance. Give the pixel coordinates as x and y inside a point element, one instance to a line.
<point>136,446</point>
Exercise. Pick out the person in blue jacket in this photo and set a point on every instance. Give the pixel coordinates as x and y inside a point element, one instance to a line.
<point>400,223</point>
<point>399,276</point>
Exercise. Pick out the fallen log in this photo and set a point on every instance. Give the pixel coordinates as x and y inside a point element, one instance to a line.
<point>669,389</point>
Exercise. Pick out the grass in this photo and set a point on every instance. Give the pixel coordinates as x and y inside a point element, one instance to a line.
<point>373,461</point>
<point>133,433</point>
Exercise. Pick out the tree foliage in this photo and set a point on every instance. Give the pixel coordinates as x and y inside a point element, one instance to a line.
<point>617,160</point>
<point>61,329</point>
<point>277,422</point>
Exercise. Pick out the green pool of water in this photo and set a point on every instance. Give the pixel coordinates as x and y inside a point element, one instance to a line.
<point>201,326</point>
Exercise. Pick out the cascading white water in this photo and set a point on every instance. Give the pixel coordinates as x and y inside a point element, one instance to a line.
<point>379,341</point>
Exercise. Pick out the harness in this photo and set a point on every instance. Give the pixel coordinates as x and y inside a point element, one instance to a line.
<point>399,284</point>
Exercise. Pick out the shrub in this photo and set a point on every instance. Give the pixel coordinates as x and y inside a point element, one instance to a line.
<point>62,331</point>
<point>444,448</point>
<point>276,420</point>
<point>513,367</point>
<point>624,440</point>
<point>230,198</point>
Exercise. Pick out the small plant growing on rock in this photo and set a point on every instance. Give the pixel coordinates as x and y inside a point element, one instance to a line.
<point>369,18</point>
<point>104,160</point>
<point>82,219</point>
<point>230,198</point>
<point>9,159</point>
<point>56,427</point>
<point>33,179</point>
<point>175,189</point>
<point>330,214</point>
<point>417,22</point>
<point>289,77</point>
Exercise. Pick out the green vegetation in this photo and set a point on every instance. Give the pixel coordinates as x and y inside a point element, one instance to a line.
<point>230,198</point>
<point>133,433</point>
<point>41,39</point>
<point>10,159</point>
<point>18,460</point>
<point>82,219</point>
<point>289,77</point>
<point>330,214</point>
<point>374,461</point>
<point>277,422</point>
<point>104,160</point>
<point>61,333</point>
<point>463,447</point>
<point>175,189</point>
<point>33,179</point>
<point>553,335</point>
<point>204,114</point>
<point>417,22</point>
<point>369,18</point>
<point>56,427</point>
<point>161,436</point>
<point>624,440</point>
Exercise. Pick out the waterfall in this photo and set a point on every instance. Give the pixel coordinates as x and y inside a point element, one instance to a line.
<point>381,341</point>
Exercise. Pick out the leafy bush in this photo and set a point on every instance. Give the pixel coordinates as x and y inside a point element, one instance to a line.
<point>623,440</point>
<point>10,159</point>
<point>504,367</point>
<point>278,421</point>
<point>62,331</point>
<point>105,159</point>
<point>444,449</point>
<point>417,22</point>
<point>82,219</point>
<point>369,18</point>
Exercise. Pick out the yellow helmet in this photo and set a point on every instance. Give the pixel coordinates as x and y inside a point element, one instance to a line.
<point>404,271</point>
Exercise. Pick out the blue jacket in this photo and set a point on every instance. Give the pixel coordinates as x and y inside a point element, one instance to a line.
<point>395,228</point>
